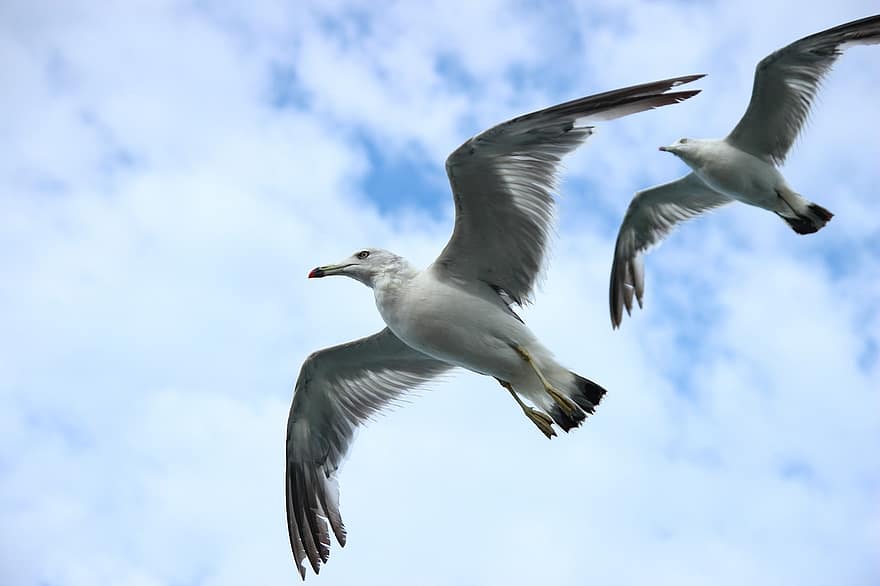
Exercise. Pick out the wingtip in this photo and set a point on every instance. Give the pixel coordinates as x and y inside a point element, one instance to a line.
<point>684,95</point>
<point>687,79</point>
<point>615,318</point>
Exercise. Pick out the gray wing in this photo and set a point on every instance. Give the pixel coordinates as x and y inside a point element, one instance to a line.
<point>338,388</point>
<point>786,83</point>
<point>502,182</point>
<point>652,214</point>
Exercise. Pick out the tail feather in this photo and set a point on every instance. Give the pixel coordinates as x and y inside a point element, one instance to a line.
<point>818,211</point>
<point>590,391</point>
<point>803,216</point>
<point>587,396</point>
<point>564,420</point>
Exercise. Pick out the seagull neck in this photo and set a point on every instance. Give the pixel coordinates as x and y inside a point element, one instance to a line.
<point>389,284</point>
<point>702,149</point>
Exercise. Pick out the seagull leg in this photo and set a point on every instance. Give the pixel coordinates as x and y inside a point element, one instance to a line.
<point>567,405</point>
<point>541,420</point>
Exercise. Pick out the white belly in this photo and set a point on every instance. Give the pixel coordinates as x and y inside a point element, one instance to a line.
<point>466,329</point>
<point>740,175</point>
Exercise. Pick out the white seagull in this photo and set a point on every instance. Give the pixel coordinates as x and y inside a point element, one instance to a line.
<point>457,312</point>
<point>742,166</point>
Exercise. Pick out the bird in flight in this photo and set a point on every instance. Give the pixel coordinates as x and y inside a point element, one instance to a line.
<point>742,166</point>
<point>457,312</point>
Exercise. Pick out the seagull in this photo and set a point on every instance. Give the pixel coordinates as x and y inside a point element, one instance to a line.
<point>742,166</point>
<point>456,313</point>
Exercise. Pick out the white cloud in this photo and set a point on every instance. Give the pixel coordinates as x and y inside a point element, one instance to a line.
<point>158,216</point>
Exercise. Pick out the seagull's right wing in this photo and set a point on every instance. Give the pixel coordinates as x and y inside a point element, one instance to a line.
<point>503,180</point>
<point>652,214</point>
<point>786,82</point>
<point>338,388</point>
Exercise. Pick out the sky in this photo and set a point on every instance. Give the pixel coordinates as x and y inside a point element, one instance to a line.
<point>170,172</point>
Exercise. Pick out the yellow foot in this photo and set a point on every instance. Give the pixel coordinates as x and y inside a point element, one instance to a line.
<point>567,405</point>
<point>541,420</point>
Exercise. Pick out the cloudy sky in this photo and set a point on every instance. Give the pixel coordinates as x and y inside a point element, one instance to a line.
<point>170,171</point>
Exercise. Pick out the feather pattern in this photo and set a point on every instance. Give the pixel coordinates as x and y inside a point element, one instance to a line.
<point>338,389</point>
<point>504,178</point>
<point>786,83</point>
<point>652,214</point>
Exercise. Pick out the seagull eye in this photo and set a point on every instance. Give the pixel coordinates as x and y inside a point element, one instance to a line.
<point>363,254</point>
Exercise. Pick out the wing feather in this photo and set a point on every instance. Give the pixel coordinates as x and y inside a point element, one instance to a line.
<point>652,214</point>
<point>504,178</point>
<point>786,83</point>
<point>338,389</point>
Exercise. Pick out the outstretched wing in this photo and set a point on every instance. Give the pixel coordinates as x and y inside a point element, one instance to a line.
<point>502,181</point>
<point>652,214</point>
<point>337,389</point>
<point>786,83</point>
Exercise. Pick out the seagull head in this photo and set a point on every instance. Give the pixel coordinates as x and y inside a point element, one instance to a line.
<point>681,147</point>
<point>364,266</point>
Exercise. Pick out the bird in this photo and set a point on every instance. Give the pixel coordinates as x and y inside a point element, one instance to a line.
<point>458,312</point>
<point>743,166</point>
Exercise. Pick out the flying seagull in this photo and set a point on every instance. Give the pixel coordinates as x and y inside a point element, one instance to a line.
<point>742,166</point>
<point>457,312</point>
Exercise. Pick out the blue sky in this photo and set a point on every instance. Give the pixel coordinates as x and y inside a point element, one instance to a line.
<point>169,172</point>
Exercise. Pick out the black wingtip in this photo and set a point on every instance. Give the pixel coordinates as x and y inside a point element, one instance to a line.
<point>615,310</point>
<point>687,79</point>
<point>615,299</point>
<point>684,95</point>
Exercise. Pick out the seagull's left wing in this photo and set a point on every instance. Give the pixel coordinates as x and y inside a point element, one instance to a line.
<point>502,181</point>
<point>651,215</point>
<point>786,82</point>
<point>338,388</point>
